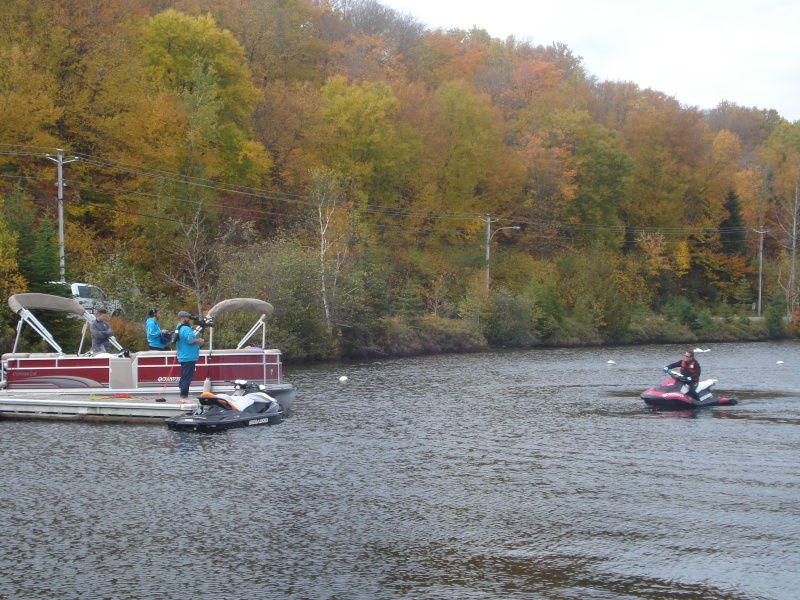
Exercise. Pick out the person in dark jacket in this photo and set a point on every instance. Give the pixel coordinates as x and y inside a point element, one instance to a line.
<point>101,332</point>
<point>690,369</point>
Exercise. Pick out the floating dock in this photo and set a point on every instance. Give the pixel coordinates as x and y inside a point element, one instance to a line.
<point>84,407</point>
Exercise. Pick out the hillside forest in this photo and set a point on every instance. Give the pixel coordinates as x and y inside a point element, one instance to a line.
<point>391,189</point>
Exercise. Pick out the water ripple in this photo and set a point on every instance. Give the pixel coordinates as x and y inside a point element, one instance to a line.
<point>517,475</point>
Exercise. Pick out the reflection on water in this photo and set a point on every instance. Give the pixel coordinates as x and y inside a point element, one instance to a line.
<point>536,474</point>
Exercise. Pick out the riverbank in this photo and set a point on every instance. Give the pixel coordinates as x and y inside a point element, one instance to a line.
<point>432,335</point>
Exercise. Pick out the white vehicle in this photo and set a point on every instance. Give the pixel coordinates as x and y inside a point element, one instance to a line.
<point>91,297</point>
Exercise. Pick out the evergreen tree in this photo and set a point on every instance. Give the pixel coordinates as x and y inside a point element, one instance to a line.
<point>37,246</point>
<point>409,305</point>
<point>38,262</point>
<point>732,228</point>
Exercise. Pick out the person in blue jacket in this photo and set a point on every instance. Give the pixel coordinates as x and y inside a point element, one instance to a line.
<point>155,335</point>
<point>690,369</point>
<point>188,348</point>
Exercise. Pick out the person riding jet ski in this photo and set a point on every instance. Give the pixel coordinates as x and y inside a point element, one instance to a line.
<point>690,369</point>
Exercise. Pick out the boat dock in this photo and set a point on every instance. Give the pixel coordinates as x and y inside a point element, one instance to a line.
<point>89,408</point>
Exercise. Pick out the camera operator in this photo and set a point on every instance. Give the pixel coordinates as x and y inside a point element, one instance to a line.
<point>188,347</point>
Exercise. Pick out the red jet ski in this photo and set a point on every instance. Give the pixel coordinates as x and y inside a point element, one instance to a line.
<point>672,394</point>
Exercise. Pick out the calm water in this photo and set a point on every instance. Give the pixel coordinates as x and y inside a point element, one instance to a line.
<point>535,474</point>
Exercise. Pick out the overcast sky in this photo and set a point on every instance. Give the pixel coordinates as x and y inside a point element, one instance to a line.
<point>699,51</point>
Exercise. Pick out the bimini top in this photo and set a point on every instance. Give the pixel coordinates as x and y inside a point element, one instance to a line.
<point>240,304</point>
<point>18,302</point>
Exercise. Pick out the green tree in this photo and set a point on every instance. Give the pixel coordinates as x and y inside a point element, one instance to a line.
<point>732,228</point>
<point>358,135</point>
<point>509,320</point>
<point>37,267</point>
<point>285,273</point>
<point>37,247</point>
<point>466,152</point>
<point>173,44</point>
<point>603,177</point>
<point>205,66</point>
<point>409,305</point>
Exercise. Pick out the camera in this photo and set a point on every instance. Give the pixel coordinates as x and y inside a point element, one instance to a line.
<point>201,323</point>
<point>198,322</point>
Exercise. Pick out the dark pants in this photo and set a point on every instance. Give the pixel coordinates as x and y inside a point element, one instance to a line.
<point>692,393</point>
<point>187,374</point>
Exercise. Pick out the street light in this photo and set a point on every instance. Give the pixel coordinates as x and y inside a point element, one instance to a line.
<point>489,236</point>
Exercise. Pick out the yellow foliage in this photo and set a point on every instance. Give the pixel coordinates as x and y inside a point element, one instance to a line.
<point>11,282</point>
<point>681,258</point>
<point>749,186</point>
<point>26,99</point>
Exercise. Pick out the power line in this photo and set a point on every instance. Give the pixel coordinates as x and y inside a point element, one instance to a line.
<point>305,201</point>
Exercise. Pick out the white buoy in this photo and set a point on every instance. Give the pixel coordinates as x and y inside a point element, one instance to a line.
<point>343,378</point>
<point>611,362</point>
<point>780,362</point>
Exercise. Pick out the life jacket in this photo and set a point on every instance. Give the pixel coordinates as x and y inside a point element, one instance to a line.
<point>689,371</point>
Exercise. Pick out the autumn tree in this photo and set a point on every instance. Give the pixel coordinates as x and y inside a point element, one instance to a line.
<point>11,280</point>
<point>27,96</point>
<point>284,123</point>
<point>603,184</point>
<point>782,153</point>
<point>459,162</point>
<point>329,196</point>
<point>359,135</point>
<point>751,125</point>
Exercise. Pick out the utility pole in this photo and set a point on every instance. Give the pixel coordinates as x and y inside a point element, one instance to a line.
<point>489,236</point>
<point>59,160</point>
<point>760,233</point>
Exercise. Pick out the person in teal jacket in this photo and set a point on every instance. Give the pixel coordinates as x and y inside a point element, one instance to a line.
<point>188,348</point>
<point>155,335</point>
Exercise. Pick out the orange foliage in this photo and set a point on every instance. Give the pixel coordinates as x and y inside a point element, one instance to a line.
<point>531,78</point>
<point>450,55</point>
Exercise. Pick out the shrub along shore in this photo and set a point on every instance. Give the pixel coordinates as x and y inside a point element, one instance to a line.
<point>439,336</point>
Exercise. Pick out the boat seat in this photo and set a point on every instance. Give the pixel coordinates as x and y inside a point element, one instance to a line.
<point>45,355</point>
<point>8,355</point>
<point>212,399</point>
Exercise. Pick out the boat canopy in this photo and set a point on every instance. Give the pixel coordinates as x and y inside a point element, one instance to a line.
<point>22,304</point>
<point>29,301</point>
<point>241,304</point>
